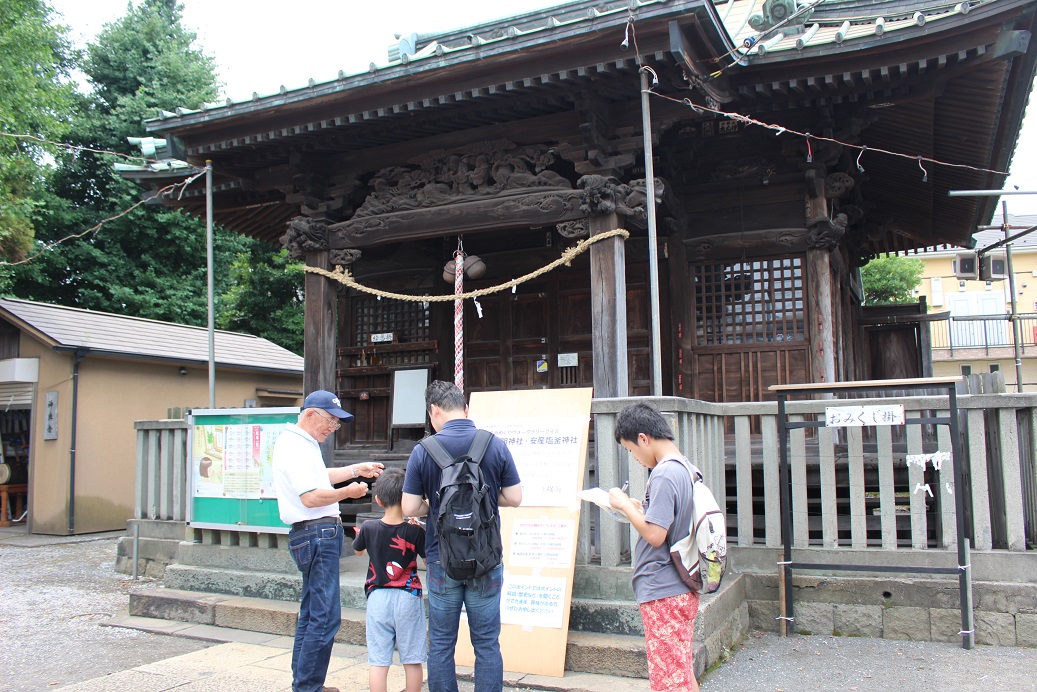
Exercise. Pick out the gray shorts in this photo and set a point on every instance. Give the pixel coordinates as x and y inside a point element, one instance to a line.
<point>395,618</point>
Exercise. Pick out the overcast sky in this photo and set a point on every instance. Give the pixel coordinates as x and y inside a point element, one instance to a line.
<point>259,47</point>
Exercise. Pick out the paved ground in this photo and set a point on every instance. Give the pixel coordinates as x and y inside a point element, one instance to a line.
<point>55,593</point>
<point>58,597</point>
<point>769,663</point>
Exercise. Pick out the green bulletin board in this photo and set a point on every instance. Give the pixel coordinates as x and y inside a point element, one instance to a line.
<point>232,470</point>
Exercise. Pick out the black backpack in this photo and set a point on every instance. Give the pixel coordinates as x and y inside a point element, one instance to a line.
<point>466,521</point>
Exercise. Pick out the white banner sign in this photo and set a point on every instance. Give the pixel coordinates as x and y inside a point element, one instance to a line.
<point>860,416</point>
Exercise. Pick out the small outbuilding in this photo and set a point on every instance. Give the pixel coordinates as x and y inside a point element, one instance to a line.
<point>72,383</point>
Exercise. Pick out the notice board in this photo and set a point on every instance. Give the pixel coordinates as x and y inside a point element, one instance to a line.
<point>231,477</point>
<point>546,431</point>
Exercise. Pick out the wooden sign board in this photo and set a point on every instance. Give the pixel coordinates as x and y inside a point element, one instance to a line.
<point>862,416</point>
<point>546,431</point>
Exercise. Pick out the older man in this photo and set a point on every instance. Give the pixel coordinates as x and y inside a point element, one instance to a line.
<point>308,502</point>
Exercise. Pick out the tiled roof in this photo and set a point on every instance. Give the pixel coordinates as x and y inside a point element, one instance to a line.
<point>833,24</point>
<point>991,236</point>
<point>134,337</point>
<point>847,24</point>
<point>1018,225</point>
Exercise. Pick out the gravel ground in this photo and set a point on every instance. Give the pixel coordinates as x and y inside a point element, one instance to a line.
<point>768,663</point>
<point>53,600</point>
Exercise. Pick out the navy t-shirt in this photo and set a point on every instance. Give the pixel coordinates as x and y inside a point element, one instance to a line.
<point>423,474</point>
<point>393,551</point>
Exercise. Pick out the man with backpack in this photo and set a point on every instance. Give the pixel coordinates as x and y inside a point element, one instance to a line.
<point>462,545</point>
<point>668,605</point>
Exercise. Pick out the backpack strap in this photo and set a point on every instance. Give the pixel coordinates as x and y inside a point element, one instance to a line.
<point>479,445</point>
<point>437,451</point>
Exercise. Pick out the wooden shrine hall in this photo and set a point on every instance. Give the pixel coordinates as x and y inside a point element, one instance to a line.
<point>792,143</point>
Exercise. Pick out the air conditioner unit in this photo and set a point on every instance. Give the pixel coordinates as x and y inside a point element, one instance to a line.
<point>966,265</point>
<point>992,267</point>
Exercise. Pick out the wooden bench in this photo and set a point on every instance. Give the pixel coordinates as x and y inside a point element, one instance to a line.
<point>21,495</point>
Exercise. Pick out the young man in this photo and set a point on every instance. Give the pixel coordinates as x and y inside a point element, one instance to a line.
<point>668,606</point>
<point>308,502</point>
<point>480,596</point>
<point>395,610</point>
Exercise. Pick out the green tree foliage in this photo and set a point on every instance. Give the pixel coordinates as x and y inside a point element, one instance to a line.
<point>35,99</point>
<point>891,279</point>
<point>266,297</point>
<point>150,262</point>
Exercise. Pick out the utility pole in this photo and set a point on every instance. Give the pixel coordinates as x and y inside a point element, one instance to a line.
<point>653,250</point>
<point>208,268</point>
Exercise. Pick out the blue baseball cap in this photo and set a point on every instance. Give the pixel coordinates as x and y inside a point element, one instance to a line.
<point>327,401</point>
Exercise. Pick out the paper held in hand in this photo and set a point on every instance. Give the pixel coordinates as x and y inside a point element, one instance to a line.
<point>601,499</point>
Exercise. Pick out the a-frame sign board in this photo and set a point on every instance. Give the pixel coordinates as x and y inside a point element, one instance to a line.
<point>546,431</point>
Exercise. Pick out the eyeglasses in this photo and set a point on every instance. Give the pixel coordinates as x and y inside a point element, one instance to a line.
<point>332,422</point>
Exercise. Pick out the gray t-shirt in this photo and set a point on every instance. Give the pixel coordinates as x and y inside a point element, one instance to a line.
<point>668,503</point>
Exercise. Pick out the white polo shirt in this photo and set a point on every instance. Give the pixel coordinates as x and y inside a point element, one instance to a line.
<point>298,469</point>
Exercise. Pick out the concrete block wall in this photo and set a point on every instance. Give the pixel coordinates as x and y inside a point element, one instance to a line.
<point>1005,614</point>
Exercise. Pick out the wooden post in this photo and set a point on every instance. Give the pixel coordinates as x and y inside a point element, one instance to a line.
<point>820,242</point>
<point>319,336</point>
<point>819,296</point>
<point>609,310</point>
<point>609,343</point>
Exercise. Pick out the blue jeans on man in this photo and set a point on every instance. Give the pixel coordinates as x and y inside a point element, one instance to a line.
<point>316,551</point>
<point>481,599</point>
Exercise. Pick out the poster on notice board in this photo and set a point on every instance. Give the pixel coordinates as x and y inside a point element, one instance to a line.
<point>231,470</point>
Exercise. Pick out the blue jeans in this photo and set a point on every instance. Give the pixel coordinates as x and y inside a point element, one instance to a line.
<point>481,599</point>
<point>316,551</point>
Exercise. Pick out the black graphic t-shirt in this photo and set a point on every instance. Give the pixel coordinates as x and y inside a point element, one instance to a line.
<point>393,551</point>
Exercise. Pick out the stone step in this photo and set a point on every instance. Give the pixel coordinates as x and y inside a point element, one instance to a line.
<point>153,556</point>
<point>605,637</point>
<point>586,652</point>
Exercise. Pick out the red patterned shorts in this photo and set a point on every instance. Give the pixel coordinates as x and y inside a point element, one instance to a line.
<point>669,626</point>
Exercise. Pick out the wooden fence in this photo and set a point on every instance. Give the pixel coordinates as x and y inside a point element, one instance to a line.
<point>161,491</point>
<point>851,490</point>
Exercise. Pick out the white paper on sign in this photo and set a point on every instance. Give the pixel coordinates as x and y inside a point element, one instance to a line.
<point>533,602</point>
<point>542,543</point>
<point>547,454</point>
<point>861,416</point>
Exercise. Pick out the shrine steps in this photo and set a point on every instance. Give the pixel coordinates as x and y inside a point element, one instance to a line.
<point>605,636</point>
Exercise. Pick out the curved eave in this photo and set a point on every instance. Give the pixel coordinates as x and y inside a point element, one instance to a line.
<point>483,58</point>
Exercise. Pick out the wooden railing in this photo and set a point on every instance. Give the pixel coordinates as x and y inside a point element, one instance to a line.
<point>852,490</point>
<point>161,470</point>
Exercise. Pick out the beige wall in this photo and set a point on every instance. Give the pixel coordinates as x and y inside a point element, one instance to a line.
<point>1024,264</point>
<point>112,395</point>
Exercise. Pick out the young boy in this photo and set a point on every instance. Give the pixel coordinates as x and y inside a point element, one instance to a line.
<point>395,610</point>
<point>668,606</point>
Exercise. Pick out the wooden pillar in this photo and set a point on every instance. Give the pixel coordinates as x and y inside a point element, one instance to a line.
<point>682,317</point>
<point>319,335</point>
<point>819,295</point>
<point>822,239</point>
<point>609,309</point>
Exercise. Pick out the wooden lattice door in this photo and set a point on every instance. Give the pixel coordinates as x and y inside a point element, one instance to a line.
<point>750,328</point>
